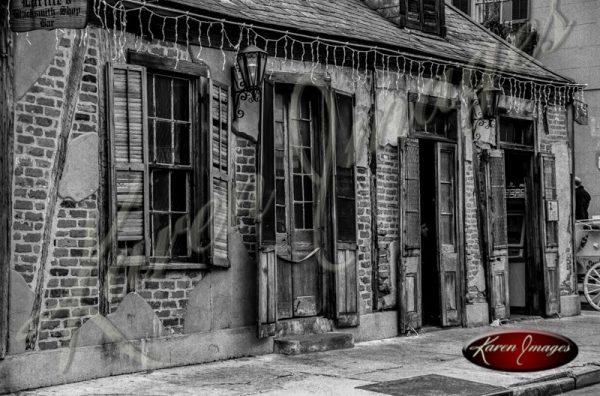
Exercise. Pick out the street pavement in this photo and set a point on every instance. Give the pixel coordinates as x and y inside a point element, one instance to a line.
<point>341,372</point>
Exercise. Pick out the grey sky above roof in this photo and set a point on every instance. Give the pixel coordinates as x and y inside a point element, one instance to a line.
<point>466,41</point>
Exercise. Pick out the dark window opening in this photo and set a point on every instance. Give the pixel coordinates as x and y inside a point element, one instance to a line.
<point>435,120</point>
<point>515,131</point>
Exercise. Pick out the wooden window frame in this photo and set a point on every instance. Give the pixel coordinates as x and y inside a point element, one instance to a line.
<point>420,25</point>
<point>199,194</point>
<point>451,104</point>
<point>514,146</point>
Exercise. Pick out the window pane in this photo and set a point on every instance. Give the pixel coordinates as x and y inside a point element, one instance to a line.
<point>181,100</point>
<point>182,144</point>
<point>307,161</point>
<point>160,190</point>
<point>304,128</point>
<point>179,232</point>
<point>280,192</point>
<point>151,111</point>
<point>279,163</point>
<point>298,216</point>
<point>281,219</point>
<point>447,230</point>
<point>298,188</point>
<point>161,235</point>
<point>163,142</point>
<point>308,216</point>
<point>163,96</point>
<point>179,191</point>
<point>308,195</point>
<point>151,140</point>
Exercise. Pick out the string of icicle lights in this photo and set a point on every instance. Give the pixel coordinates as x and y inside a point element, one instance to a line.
<point>392,65</point>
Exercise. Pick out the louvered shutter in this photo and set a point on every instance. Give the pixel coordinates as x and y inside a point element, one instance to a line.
<point>346,274</point>
<point>129,162</point>
<point>492,211</point>
<point>218,150</point>
<point>425,15</point>
<point>549,232</point>
<point>267,257</point>
<point>410,235</point>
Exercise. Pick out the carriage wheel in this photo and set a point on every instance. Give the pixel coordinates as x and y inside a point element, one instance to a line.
<point>591,286</point>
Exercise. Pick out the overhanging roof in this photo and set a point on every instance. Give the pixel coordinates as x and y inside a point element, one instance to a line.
<point>466,41</point>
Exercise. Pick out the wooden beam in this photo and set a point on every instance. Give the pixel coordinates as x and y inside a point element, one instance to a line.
<point>6,131</point>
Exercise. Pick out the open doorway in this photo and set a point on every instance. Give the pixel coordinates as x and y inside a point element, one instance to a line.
<point>520,230</point>
<point>429,235</point>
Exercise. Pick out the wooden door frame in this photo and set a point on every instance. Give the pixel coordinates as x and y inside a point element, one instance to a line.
<point>460,204</point>
<point>533,269</point>
<point>6,166</point>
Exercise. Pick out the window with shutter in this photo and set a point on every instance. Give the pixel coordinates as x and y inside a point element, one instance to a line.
<point>170,201</point>
<point>425,15</point>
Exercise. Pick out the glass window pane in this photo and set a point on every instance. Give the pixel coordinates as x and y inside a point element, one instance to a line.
<point>298,216</point>
<point>160,190</point>
<point>308,216</point>
<point>298,196</point>
<point>304,128</point>
<point>181,100</point>
<point>281,219</point>
<point>307,161</point>
<point>280,192</point>
<point>182,144</point>
<point>308,195</point>
<point>163,143</point>
<point>163,93</point>
<point>151,140</point>
<point>161,235</point>
<point>279,163</point>
<point>279,135</point>
<point>179,191</point>
<point>447,230</point>
<point>151,111</point>
<point>179,232</point>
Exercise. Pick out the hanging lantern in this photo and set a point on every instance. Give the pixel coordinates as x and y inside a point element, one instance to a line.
<point>249,73</point>
<point>488,101</point>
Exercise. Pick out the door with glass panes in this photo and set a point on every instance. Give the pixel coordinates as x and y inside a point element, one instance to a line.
<point>297,119</point>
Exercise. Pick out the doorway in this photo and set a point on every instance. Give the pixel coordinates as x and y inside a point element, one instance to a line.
<point>520,232</point>
<point>298,125</point>
<point>429,255</point>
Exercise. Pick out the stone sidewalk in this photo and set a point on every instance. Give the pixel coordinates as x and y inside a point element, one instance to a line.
<point>341,372</point>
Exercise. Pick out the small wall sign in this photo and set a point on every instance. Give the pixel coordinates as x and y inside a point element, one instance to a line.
<point>28,15</point>
<point>552,210</point>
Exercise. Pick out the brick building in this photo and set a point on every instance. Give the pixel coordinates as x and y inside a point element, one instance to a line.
<point>155,218</point>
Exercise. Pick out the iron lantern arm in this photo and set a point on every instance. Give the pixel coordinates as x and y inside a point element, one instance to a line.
<point>248,75</point>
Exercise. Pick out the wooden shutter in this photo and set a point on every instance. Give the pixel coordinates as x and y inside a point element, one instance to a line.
<point>218,150</point>
<point>346,274</point>
<point>267,256</point>
<point>447,226</point>
<point>549,232</point>
<point>425,15</point>
<point>409,286</point>
<point>492,210</point>
<point>128,163</point>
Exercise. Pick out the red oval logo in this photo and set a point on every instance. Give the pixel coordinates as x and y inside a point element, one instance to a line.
<point>521,350</point>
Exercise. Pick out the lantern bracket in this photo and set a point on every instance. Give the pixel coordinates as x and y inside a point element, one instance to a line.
<point>247,75</point>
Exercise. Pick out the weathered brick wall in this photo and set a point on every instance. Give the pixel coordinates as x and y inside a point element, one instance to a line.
<point>245,192</point>
<point>387,218</point>
<point>474,266</point>
<point>38,119</point>
<point>167,293</point>
<point>363,214</point>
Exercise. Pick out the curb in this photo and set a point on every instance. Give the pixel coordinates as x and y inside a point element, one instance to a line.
<point>576,378</point>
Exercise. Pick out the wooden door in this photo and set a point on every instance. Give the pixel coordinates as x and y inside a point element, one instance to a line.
<point>447,233</point>
<point>409,286</point>
<point>296,130</point>
<point>267,257</point>
<point>549,232</point>
<point>493,214</point>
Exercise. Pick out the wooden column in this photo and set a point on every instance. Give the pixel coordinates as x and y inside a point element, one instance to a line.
<point>6,131</point>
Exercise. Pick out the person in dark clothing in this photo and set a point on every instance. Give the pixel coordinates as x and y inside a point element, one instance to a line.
<point>582,201</point>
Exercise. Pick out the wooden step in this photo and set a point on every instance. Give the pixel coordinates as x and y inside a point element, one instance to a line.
<point>300,344</point>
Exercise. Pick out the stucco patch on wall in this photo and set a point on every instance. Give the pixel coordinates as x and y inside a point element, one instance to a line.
<point>80,175</point>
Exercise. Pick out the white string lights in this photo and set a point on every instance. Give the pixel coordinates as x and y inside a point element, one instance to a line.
<point>320,52</point>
